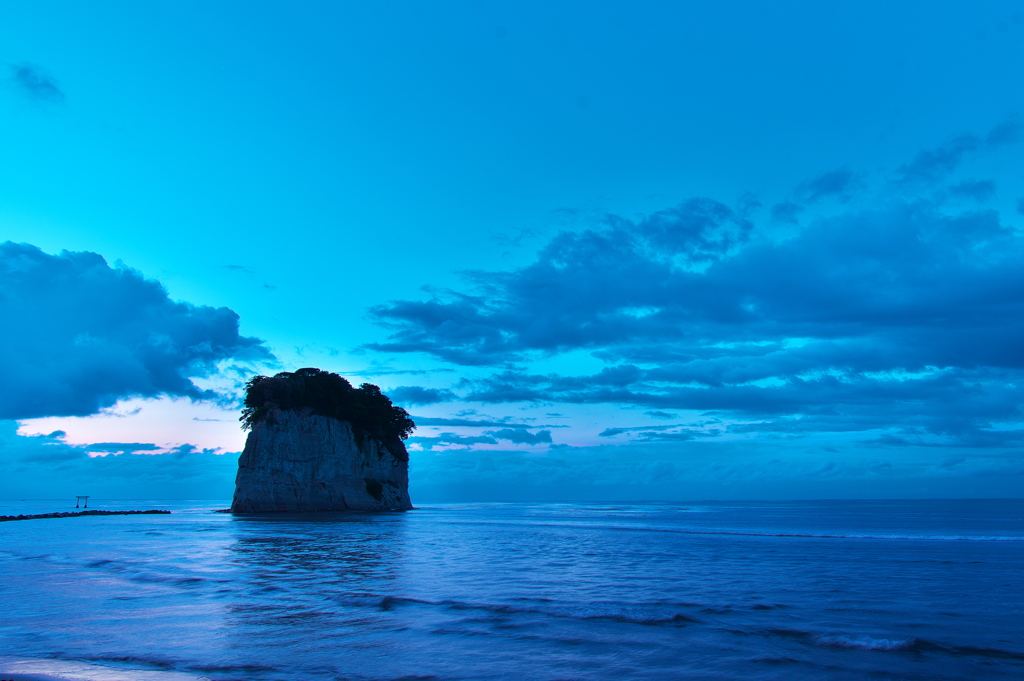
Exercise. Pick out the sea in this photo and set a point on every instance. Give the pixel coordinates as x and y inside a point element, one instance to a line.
<point>792,590</point>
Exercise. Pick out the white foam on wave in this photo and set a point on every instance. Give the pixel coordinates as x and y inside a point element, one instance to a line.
<point>865,642</point>
<point>67,670</point>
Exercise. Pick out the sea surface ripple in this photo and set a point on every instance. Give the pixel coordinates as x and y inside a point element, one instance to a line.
<point>729,590</point>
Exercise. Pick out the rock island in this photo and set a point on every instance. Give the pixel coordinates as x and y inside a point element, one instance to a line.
<point>316,443</point>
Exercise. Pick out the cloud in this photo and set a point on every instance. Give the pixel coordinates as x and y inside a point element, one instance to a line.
<point>121,447</point>
<point>897,310</point>
<point>975,190</point>
<point>699,229</point>
<point>935,164</point>
<point>673,433</point>
<point>710,469</point>
<point>678,435</point>
<point>612,432</point>
<point>46,467</point>
<point>448,439</point>
<point>513,435</point>
<point>80,335</point>
<point>834,183</point>
<point>36,83</point>
<point>521,437</point>
<point>787,211</point>
<point>249,273</point>
<point>475,423</point>
<point>659,415</point>
<point>413,394</point>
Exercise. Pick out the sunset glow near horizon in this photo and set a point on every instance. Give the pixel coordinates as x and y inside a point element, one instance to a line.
<point>598,251</point>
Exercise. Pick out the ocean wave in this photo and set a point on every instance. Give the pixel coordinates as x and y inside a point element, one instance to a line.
<point>865,642</point>
<point>813,535</point>
<point>135,661</point>
<point>378,602</point>
<point>753,533</point>
<point>141,669</point>
<point>911,644</point>
<point>854,641</point>
<point>135,572</point>
<point>589,613</point>
<point>230,668</point>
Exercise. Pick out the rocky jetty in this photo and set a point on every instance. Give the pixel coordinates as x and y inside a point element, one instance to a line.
<point>318,444</point>
<point>75,514</point>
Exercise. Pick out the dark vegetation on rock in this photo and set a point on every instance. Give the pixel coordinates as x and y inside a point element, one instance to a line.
<point>327,394</point>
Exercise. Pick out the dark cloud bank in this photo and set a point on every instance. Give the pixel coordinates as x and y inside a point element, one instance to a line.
<point>894,309</point>
<point>79,335</point>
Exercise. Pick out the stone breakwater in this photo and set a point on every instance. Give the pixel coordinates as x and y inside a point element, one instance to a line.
<point>72,514</point>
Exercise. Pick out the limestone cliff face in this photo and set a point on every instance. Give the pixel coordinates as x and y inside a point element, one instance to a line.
<point>300,462</point>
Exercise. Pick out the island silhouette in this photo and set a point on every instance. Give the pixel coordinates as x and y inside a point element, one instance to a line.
<point>316,443</point>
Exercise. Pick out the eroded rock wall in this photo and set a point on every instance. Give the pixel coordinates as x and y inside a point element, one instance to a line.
<point>298,462</point>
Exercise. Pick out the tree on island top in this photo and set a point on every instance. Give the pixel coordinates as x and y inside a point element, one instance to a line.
<point>325,394</point>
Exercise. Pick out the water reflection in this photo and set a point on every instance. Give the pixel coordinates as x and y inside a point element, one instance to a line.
<point>313,572</point>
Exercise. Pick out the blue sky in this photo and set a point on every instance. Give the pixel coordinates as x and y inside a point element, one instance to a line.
<point>600,250</point>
